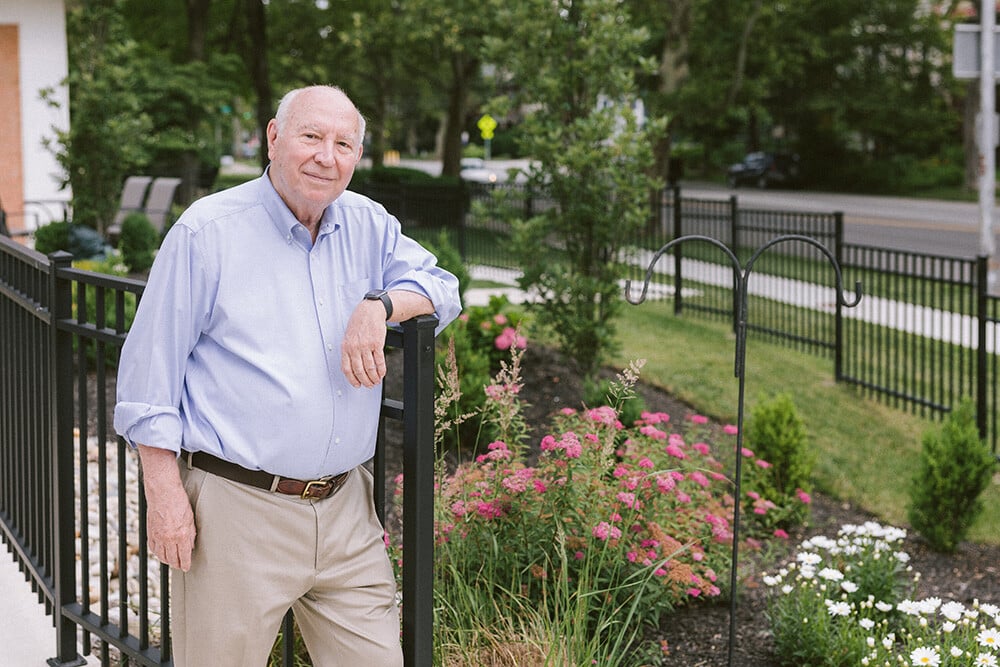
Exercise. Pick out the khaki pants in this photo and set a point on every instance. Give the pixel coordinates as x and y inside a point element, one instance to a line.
<point>257,554</point>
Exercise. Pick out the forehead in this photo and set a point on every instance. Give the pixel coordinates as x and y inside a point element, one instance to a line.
<point>322,109</point>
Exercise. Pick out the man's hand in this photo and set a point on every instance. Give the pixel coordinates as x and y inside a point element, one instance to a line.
<point>362,358</point>
<point>170,529</point>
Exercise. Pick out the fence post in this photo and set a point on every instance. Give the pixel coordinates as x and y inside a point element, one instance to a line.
<point>982,357</point>
<point>64,519</point>
<point>734,244</point>
<point>838,318</point>
<point>418,491</point>
<point>678,232</point>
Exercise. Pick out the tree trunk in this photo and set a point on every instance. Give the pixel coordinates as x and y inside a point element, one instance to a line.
<point>673,70</point>
<point>462,71</point>
<point>259,71</point>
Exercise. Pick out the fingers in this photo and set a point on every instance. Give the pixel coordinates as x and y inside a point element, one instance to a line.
<point>172,554</point>
<point>362,359</point>
<point>363,368</point>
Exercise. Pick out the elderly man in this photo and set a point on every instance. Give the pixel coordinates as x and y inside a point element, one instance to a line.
<point>249,384</point>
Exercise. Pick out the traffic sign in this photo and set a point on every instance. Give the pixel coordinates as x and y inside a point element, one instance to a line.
<point>486,126</point>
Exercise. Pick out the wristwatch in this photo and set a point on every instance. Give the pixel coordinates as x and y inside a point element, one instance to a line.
<point>383,296</point>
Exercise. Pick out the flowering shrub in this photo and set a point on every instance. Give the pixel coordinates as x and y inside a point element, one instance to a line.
<point>845,601</point>
<point>600,529</point>
<point>479,340</point>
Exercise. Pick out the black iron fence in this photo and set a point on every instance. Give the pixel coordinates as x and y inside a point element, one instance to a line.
<point>71,503</point>
<point>923,338</point>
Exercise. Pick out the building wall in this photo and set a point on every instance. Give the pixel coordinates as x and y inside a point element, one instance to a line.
<point>33,57</point>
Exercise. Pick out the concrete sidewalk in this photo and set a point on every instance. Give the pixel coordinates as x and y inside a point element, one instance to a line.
<point>26,633</point>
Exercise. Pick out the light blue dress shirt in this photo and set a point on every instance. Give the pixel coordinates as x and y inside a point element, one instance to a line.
<point>236,345</point>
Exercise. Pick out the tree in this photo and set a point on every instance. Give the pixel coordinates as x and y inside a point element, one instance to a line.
<point>573,63</point>
<point>108,130</point>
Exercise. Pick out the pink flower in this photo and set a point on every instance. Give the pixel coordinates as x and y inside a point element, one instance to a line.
<point>628,499</point>
<point>653,432</point>
<point>675,451</point>
<point>605,531</point>
<point>500,319</point>
<point>464,317</point>
<point>654,417</point>
<point>780,534</point>
<point>645,462</point>
<point>665,483</point>
<point>701,448</point>
<point>747,453</point>
<point>803,496</point>
<point>508,338</point>
<point>730,429</point>
<point>548,443</point>
<point>699,478</point>
<point>540,486</point>
<point>694,592</point>
<point>578,555</point>
<point>699,419</point>
<point>620,470</point>
<point>762,463</point>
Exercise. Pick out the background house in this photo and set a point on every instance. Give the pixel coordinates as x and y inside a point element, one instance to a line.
<point>33,57</point>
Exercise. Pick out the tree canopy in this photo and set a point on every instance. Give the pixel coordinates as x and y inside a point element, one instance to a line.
<point>868,78</point>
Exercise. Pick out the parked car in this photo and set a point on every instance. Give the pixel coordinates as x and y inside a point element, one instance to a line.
<point>474,169</point>
<point>764,170</point>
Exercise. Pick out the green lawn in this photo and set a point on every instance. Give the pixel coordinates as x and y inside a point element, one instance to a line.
<point>867,451</point>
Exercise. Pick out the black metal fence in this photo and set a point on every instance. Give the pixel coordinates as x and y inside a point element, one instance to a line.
<point>923,338</point>
<point>71,503</point>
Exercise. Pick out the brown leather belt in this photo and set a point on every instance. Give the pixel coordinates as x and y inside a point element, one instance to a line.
<point>314,489</point>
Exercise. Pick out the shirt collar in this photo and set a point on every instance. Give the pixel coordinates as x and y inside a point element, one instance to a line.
<point>283,218</point>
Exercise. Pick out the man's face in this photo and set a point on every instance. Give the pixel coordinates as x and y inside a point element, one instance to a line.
<point>313,155</point>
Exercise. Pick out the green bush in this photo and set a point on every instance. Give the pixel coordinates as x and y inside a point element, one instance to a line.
<point>138,242</point>
<point>449,259</point>
<point>776,434</point>
<point>955,468</point>
<point>78,240</point>
<point>52,237</point>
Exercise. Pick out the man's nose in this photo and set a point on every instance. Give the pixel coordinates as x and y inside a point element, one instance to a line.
<point>325,152</point>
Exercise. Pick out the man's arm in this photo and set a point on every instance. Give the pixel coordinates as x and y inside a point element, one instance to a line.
<point>170,529</point>
<point>363,356</point>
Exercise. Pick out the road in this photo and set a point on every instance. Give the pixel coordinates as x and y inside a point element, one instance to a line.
<point>917,225</point>
<point>925,226</point>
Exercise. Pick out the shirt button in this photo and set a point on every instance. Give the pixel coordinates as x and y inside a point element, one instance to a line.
<point>329,346</point>
<point>320,302</point>
<point>336,440</point>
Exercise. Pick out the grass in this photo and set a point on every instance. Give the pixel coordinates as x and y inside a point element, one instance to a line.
<point>867,452</point>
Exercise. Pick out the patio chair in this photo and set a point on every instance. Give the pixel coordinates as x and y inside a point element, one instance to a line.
<point>132,199</point>
<point>159,201</point>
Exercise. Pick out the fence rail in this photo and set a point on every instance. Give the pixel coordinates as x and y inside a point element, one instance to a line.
<point>71,502</point>
<point>923,338</point>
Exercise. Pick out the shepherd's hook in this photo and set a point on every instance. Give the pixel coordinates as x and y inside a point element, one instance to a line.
<point>741,276</point>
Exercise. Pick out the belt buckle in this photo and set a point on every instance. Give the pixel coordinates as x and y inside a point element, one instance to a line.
<point>314,488</point>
